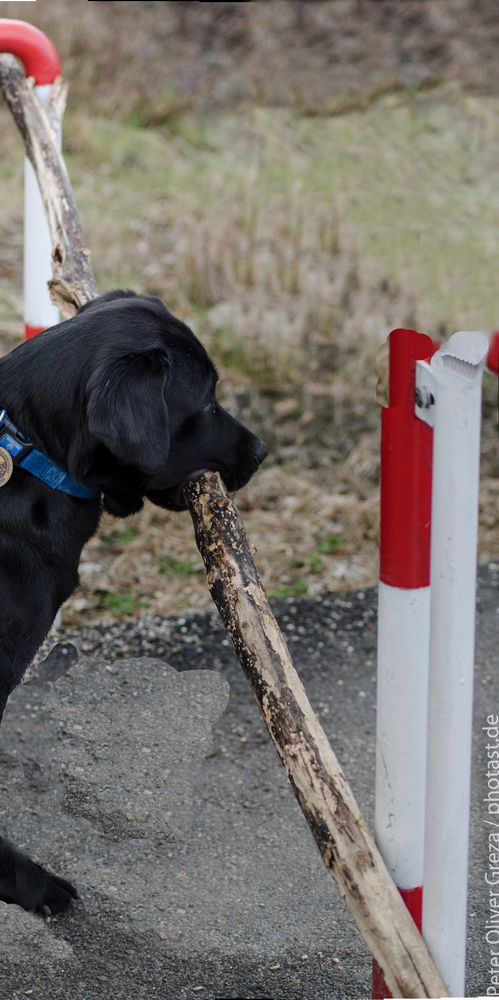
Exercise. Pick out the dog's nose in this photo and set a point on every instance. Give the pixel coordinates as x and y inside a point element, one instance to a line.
<point>258,452</point>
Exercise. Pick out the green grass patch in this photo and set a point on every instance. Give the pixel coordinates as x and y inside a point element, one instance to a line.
<point>177,568</point>
<point>123,604</point>
<point>122,536</point>
<point>298,588</point>
<point>331,543</point>
<point>314,560</point>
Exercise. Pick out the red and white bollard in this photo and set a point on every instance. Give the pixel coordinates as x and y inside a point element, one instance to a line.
<point>403,627</point>
<point>41,61</point>
<point>426,633</point>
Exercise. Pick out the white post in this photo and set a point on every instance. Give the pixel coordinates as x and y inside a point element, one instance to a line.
<point>449,397</point>
<point>39,311</point>
<point>403,628</point>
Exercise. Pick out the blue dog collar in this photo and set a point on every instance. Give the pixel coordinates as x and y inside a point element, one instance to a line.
<point>27,457</point>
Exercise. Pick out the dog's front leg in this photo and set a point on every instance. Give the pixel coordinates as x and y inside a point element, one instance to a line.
<point>22,881</point>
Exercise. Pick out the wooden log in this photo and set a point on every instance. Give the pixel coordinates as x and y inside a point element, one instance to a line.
<point>319,784</point>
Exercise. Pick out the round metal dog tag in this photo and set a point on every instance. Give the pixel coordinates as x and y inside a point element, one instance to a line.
<point>6,466</point>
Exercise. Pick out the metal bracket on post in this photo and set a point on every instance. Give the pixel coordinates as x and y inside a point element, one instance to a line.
<point>464,355</point>
<point>425,393</point>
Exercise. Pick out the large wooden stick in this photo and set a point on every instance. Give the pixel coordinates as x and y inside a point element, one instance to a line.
<point>320,786</point>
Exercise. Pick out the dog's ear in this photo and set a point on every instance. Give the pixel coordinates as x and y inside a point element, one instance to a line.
<point>127,409</point>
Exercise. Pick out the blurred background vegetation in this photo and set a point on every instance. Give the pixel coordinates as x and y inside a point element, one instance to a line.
<point>294,179</point>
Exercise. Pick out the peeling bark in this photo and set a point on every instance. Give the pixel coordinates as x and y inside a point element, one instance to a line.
<point>320,786</point>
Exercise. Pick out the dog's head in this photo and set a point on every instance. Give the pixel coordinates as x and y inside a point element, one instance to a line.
<point>151,399</point>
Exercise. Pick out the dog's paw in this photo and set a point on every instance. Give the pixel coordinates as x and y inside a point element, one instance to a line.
<point>27,884</point>
<point>56,894</point>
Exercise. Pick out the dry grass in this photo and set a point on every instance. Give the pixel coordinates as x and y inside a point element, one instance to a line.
<point>152,562</point>
<point>154,60</point>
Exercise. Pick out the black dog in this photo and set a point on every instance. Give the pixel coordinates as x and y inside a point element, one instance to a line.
<point>111,407</point>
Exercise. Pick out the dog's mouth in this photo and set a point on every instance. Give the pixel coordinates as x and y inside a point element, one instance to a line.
<point>174,497</point>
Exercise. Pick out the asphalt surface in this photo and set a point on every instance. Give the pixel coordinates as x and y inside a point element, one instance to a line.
<point>142,771</point>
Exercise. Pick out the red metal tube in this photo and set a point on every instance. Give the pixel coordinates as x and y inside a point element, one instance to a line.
<point>493,355</point>
<point>36,52</point>
<point>406,450</point>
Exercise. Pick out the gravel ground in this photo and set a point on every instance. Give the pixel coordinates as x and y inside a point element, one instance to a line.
<point>217,889</point>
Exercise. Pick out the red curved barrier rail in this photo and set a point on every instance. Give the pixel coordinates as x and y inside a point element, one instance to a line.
<point>36,52</point>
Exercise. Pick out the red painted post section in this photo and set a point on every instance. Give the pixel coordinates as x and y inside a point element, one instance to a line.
<point>413,899</point>
<point>36,52</point>
<point>403,629</point>
<point>31,331</point>
<point>493,355</point>
<point>406,449</point>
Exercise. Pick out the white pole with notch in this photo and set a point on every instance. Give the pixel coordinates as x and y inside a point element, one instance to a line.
<point>449,399</point>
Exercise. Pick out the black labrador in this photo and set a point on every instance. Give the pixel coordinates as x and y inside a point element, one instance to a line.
<point>113,406</point>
